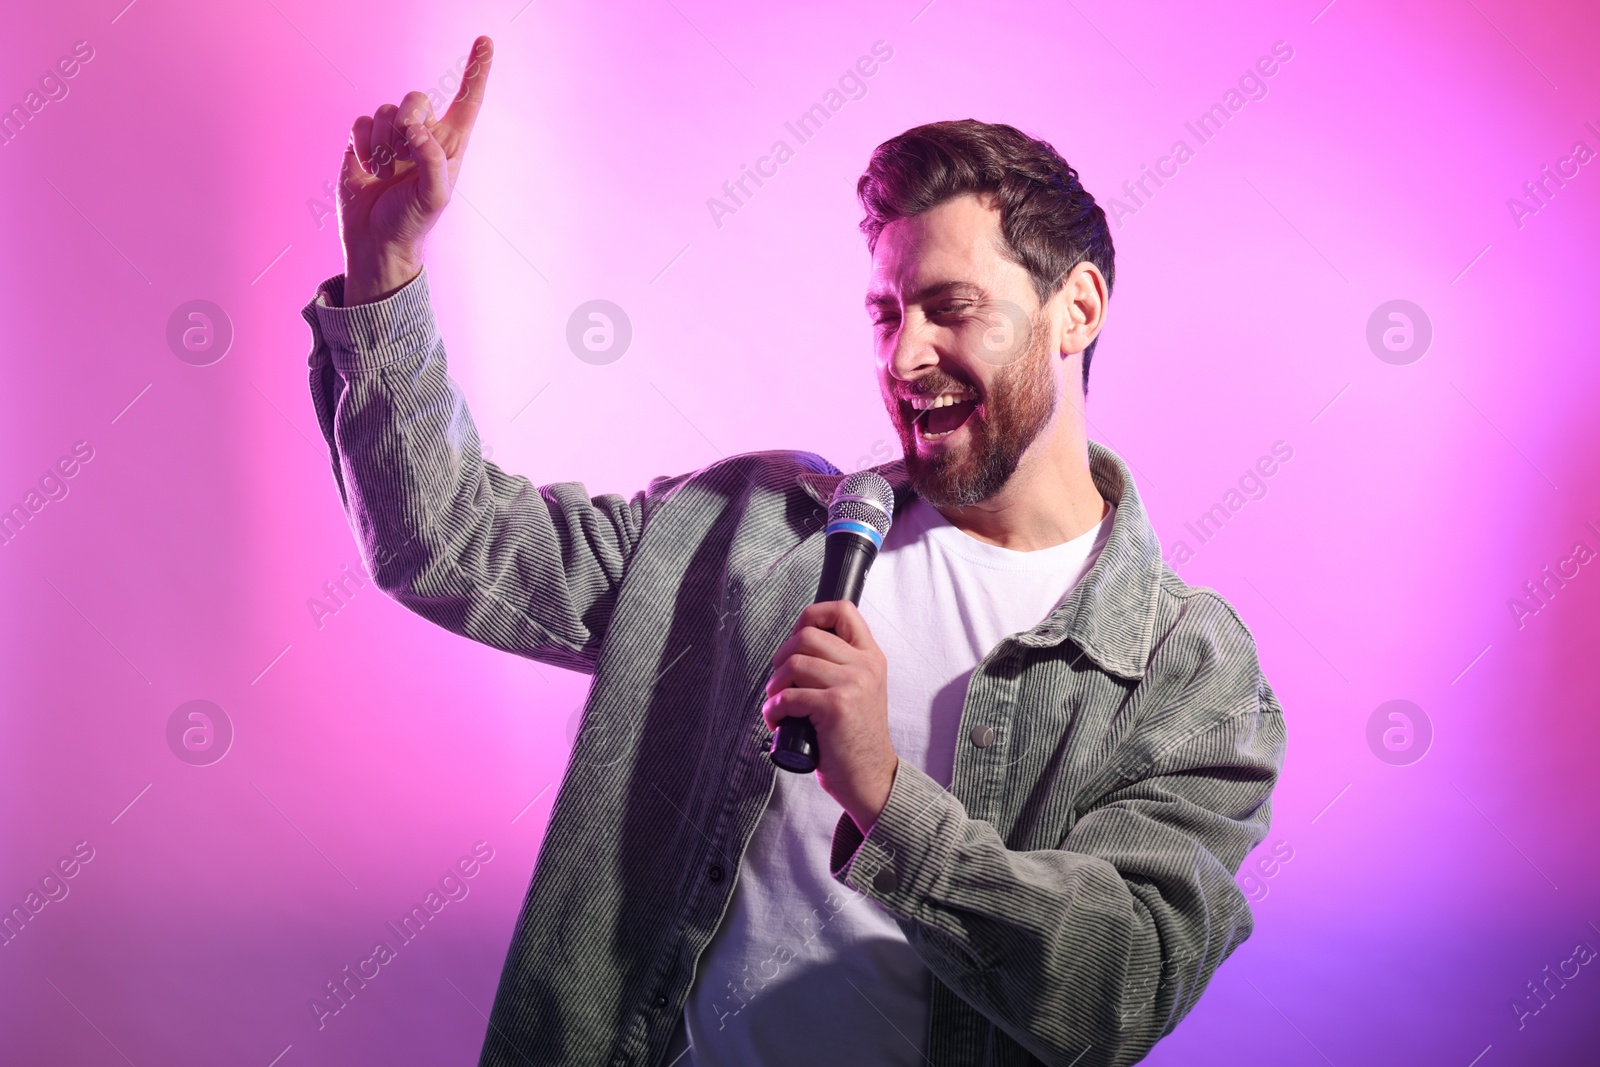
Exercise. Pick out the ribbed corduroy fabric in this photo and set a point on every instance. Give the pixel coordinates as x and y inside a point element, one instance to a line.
<point>1072,892</point>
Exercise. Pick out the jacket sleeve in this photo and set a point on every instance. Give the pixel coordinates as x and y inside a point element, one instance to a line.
<point>533,570</point>
<point>1089,953</point>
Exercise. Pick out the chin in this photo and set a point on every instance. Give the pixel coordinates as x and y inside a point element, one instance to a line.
<point>951,477</point>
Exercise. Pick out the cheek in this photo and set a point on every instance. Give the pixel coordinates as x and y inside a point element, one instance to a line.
<point>889,402</point>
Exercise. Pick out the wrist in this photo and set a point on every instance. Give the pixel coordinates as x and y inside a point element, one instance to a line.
<point>865,811</point>
<point>368,279</point>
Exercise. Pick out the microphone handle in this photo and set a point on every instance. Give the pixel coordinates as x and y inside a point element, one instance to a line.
<point>845,559</point>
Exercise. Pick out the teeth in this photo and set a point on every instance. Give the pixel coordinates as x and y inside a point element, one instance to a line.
<point>943,400</point>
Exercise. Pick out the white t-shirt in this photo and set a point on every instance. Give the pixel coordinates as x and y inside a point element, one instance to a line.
<point>803,970</point>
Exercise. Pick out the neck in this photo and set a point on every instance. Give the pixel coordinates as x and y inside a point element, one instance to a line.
<point>1050,499</point>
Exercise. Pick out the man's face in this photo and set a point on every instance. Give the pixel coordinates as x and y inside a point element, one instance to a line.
<point>964,352</point>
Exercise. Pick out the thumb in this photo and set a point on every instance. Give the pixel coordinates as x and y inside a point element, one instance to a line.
<point>433,174</point>
<point>851,625</point>
<point>352,179</point>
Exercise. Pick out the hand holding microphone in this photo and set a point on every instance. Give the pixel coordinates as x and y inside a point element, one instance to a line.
<point>827,699</point>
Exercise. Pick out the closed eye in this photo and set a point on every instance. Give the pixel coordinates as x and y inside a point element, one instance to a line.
<point>942,311</point>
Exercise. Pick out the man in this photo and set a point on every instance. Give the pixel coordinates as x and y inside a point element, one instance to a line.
<point>1043,756</point>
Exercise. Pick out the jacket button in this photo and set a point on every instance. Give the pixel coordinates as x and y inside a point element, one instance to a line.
<point>886,881</point>
<point>715,873</point>
<point>661,1001</point>
<point>981,735</point>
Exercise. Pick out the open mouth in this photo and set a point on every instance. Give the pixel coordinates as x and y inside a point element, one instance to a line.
<point>937,417</point>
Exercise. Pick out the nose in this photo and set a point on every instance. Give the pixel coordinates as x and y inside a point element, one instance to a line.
<point>912,350</point>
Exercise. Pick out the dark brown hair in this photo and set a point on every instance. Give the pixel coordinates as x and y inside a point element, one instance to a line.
<point>1049,221</point>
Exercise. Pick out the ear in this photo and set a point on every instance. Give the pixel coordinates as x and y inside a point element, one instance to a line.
<point>1081,303</point>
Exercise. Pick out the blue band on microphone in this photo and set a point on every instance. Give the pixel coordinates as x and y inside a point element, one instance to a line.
<point>851,526</point>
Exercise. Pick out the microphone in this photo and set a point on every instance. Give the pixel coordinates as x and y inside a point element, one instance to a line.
<point>858,520</point>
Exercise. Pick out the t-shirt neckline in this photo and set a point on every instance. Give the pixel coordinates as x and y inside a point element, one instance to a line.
<point>942,532</point>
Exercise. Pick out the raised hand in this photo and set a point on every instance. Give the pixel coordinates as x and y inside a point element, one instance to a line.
<point>399,169</point>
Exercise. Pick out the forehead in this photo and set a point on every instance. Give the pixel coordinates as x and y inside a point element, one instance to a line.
<point>957,240</point>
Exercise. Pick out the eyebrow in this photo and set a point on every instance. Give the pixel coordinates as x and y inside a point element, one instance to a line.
<point>970,290</point>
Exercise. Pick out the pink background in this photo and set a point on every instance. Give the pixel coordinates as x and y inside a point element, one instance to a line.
<point>186,162</point>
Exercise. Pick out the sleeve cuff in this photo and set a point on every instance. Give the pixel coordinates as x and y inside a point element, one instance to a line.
<point>371,336</point>
<point>901,860</point>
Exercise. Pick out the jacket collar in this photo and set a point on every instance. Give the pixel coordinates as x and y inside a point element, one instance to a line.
<point>1111,612</point>
<point>821,484</point>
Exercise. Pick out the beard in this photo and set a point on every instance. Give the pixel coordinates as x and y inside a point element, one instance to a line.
<point>1015,410</point>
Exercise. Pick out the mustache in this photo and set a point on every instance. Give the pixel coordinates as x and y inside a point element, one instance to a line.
<point>933,386</point>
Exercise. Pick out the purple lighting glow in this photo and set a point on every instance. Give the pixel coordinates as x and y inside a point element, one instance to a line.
<point>256,812</point>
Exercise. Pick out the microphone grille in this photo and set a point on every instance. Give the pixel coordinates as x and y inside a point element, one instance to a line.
<point>864,497</point>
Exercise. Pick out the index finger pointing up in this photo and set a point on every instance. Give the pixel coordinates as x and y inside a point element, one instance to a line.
<point>463,111</point>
